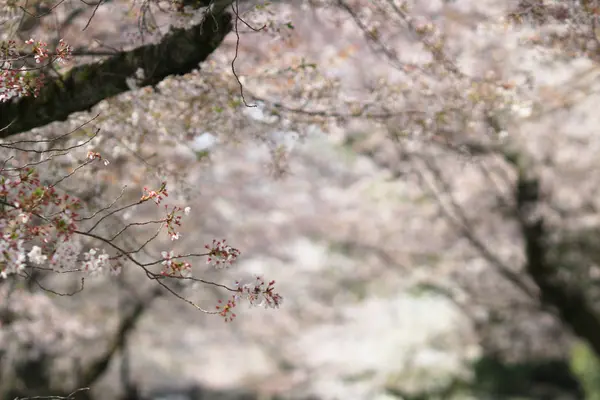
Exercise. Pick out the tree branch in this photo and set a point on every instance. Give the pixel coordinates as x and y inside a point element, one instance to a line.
<point>179,52</point>
<point>570,301</point>
<point>97,368</point>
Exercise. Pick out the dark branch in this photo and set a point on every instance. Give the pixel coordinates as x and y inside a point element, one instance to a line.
<point>179,52</point>
<point>569,300</point>
<point>97,368</point>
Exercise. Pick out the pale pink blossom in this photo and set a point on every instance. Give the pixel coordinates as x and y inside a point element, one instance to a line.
<point>221,254</point>
<point>36,256</point>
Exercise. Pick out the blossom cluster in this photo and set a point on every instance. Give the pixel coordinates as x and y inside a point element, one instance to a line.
<point>40,226</point>
<point>12,253</point>
<point>94,155</point>
<point>172,267</point>
<point>16,84</point>
<point>156,195</point>
<point>19,81</point>
<point>97,264</point>
<point>258,293</point>
<point>37,223</point>
<point>173,220</point>
<point>221,254</point>
<point>62,52</point>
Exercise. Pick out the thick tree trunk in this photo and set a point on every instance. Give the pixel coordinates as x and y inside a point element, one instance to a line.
<point>566,299</point>
<point>571,303</point>
<point>179,52</point>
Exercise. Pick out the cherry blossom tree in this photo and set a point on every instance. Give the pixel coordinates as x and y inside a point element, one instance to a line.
<point>519,248</point>
<point>46,229</point>
<point>461,124</point>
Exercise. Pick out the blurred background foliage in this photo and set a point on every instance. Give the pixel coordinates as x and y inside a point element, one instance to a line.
<point>420,178</point>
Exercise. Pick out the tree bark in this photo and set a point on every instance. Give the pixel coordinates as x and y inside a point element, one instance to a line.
<point>569,300</point>
<point>96,369</point>
<point>178,53</point>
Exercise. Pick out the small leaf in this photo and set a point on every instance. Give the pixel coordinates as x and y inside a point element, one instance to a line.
<point>201,155</point>
<point>38,192</point>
